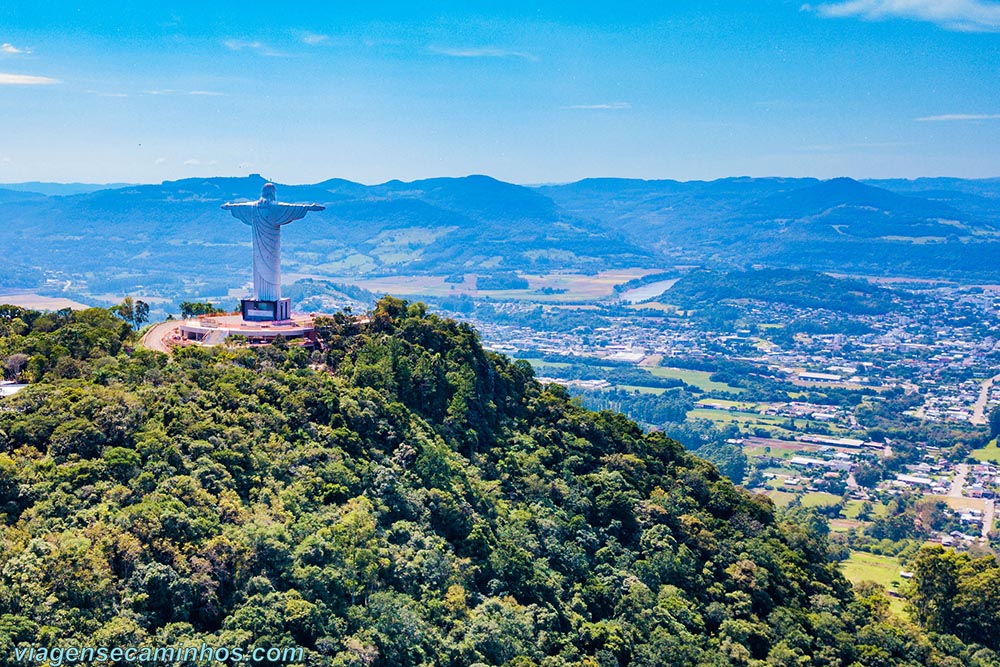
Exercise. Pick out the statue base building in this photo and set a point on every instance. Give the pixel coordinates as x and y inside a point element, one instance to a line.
<point>220,329</point>
<point>255,310</point>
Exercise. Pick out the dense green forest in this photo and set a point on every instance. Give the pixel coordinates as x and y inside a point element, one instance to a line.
<point>403,497</point>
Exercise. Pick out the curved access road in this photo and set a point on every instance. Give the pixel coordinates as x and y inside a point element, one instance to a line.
<point>153,339</point>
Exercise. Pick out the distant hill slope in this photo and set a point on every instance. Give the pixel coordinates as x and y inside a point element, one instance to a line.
<point>804,289</point>
<point>61,189</point>
<point>802,223</point>
<point>402,498</point>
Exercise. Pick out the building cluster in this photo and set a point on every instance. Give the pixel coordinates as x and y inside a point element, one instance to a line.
<point>944,345</point>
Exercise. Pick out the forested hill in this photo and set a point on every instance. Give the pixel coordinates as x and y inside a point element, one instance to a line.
<point>401,498</point>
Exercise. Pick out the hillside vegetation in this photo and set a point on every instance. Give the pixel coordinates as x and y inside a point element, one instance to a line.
<point>803,289</point>
<point>401,498</point>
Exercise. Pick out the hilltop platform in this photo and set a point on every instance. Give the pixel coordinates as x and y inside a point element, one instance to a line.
<point>215,329</point>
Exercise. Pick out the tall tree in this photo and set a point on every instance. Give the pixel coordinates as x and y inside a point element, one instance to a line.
<point>14,364</point>
<point>134,312</point>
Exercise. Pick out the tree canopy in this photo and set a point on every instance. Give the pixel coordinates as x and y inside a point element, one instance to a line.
<point>399,497</point>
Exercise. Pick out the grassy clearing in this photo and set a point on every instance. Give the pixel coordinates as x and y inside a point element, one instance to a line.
<point>405,286</point>
<point>39,302</point>
<point>659,391</point>
<point>578,287</point>
<point>539,363</point>
<point>778,470</point>
<point>776,452</point>
<point>990,452</point>
<point>853,508</point>
<point>780,498</point>
<point>883,570</point>
<point>819,499</point>
<point>723,403</point>
<point>961,503</point>
<point>843,525</point>
<point>652,306</point>
<point>744,418</point>
<point>694,378</point>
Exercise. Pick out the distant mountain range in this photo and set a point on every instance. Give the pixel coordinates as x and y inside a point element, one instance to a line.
<point>44,188</point>
<point>173,236</point>
<point>938,227</point>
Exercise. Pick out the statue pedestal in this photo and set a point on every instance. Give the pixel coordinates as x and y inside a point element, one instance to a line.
<point>266,311</point>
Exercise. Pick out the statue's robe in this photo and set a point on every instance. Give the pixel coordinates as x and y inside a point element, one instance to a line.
<point>266,217</point>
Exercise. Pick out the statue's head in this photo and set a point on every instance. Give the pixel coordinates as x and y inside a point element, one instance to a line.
<point>269,192</point>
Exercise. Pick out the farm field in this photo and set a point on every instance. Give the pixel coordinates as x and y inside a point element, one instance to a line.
<point>577,286</point>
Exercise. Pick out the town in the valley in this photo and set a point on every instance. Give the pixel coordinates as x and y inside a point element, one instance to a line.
<point>866,416</point>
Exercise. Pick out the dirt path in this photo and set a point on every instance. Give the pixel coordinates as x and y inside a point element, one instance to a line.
<point>979,409</point>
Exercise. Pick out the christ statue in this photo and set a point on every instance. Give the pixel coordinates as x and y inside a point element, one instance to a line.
<point>266,216</point>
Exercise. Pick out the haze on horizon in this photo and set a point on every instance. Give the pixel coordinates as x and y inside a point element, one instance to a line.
<point>527,92</point>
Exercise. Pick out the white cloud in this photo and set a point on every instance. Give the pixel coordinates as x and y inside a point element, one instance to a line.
<point>100,94</point>
<point>606,105</point>
<point>482,52</point>
<point>959,116</point>
<point>210,93</point>
<point>159,160</point>
<point>164,91</point>
<point>312,39</point>
<point>25,80</point>
<point>960,15</point>
<point>257,47</point>
<point>193,162</point>
<point>10,49</point>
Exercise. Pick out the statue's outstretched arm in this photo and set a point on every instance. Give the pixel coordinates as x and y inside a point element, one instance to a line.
<point>241,212</point>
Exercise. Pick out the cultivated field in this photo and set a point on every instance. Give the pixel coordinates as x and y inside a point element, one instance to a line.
<point>39,302</point>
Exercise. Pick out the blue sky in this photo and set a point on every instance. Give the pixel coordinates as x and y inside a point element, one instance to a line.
<point>526,92</point>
